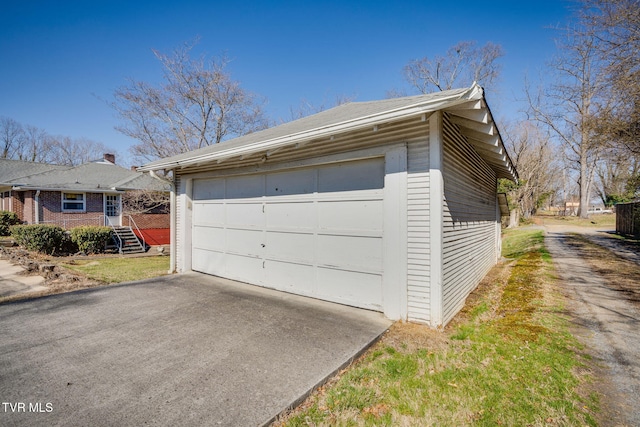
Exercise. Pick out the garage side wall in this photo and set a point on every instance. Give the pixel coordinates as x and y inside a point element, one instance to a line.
<point>469,220</point>
<point>418,277</point>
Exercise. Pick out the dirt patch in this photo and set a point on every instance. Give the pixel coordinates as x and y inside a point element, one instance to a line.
<point>57,279</point>
<point>489,291</point>
<point>602,290</point>
<point>622,274</point>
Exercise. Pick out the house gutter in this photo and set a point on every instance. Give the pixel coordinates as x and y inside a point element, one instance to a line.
<point>23,187</point>
<point>37,207</point>
<point>172,219</point>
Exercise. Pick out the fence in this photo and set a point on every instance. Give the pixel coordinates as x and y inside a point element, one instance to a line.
<point>76,222</point>
<point>628,218</point>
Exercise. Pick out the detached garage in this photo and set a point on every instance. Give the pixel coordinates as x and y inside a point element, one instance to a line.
<point>387,205</point>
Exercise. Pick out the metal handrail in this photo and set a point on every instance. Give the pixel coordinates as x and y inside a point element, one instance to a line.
<point>144,243</point>
<point>119,244</point>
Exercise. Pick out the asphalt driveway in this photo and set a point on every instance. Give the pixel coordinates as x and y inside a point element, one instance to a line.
<point>180,350</point>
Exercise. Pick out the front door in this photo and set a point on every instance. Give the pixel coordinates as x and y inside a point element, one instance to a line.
<point>113,209</point>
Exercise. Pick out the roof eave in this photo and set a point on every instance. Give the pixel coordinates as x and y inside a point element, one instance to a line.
<point>473,93</point>
<point>62,189</point>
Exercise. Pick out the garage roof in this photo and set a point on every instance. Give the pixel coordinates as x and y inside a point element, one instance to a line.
<point>466,107</point>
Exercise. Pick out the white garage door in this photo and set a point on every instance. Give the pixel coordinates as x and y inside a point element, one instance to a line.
<point>313,231</point>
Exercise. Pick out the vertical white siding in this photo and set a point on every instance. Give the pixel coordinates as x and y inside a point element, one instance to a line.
<point>179,221</point>
<point>469,227</point>
<point>418,279</point>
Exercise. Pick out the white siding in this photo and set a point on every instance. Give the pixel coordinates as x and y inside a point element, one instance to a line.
<point>418,279</point>
<point>178,226</point>
<point>469,228</point>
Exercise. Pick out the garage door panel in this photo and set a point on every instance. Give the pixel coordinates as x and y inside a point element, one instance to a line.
<point>350,215</point>
<point>314,231</point>
<point>350,252</point>
<point>351,176</point>
<point>358,289</point>
<point>208,189</point>
<point>294,247</point>
<point>301,181</point>
<point>245,242</point>
<point>244,268</point>
<point>248,215</point>
<point>289,277</point>
<point>213,238</point>
<point>207,261</point>
<point>291,215</point>
<point>241,187</point>
<point>209,213</point>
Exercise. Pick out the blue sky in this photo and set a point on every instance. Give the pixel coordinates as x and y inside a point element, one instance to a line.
<point>60,61</point>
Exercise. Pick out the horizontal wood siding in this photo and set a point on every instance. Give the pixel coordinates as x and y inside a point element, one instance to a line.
<point>469,227</point>
<point>418,278</point>
<point>383,134</point>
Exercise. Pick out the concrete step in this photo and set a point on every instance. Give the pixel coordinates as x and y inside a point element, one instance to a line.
<point>129,241</point>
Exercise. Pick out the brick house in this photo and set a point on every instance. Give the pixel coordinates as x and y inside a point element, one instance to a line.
<point>88,194</point>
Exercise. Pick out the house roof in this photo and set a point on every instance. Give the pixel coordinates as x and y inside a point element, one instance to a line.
<point>466,107</point>
<point>95,177</point>
<point>14,169</point>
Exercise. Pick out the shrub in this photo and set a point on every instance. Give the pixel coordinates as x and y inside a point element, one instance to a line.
<point>91,239</point>
<point>43,238</point>
<point>7,219</point>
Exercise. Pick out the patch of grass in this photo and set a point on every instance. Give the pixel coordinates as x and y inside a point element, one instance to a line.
<point>116,270</point>
<point>518,241</point>
<point>508,359</point>
<point>596,220</point>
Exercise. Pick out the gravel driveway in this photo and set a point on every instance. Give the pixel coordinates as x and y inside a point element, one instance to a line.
<point>605,321</point>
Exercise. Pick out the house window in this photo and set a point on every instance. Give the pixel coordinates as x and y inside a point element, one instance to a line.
<point>73,202</point>
<point>112,205</point>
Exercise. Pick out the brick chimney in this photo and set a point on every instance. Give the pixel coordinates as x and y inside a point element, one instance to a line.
<point>110,157</point>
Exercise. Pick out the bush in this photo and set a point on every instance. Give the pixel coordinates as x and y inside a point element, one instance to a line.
<point>43,238</point>
<point>7,219</point>
<point>91,239</point>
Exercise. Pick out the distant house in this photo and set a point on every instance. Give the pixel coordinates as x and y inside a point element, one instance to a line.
<point>387,205</point>
<point>88,194</point>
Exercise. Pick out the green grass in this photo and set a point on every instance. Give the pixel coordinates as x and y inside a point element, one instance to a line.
<point>116,270</point>
<point>597,220</point>
<point>511,361</point>
<point>519,241</point>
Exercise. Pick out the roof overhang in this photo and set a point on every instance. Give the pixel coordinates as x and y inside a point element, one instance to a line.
<point>65,190</point>
<point>468,110</point>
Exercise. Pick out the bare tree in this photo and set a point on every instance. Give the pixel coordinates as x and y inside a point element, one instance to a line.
<point>532,154</point>
<point>11,137</point>
<point>615,173</point>
<point>73,152</point>
<point>36,146</point>
<point>198,104</point>
<point>571,105</point>
<point>33,144</point>
<point>616,24</point>
<point>145,201</point>
<point>462,65</point>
